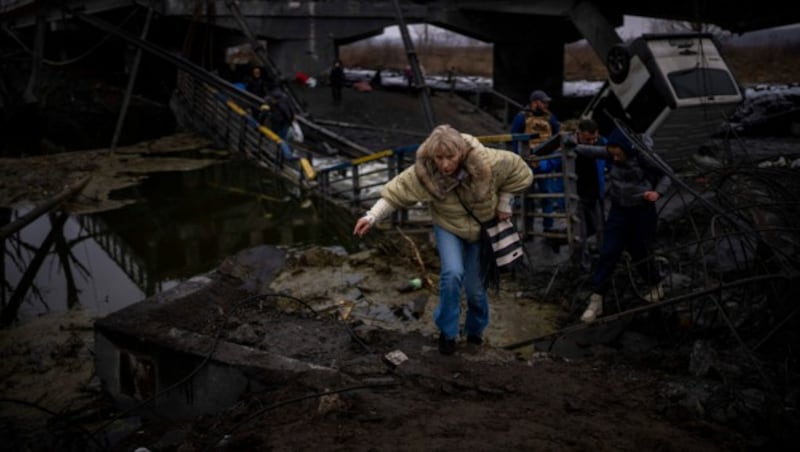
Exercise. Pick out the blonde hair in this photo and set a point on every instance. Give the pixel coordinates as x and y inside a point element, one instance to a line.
<point>443,141</point>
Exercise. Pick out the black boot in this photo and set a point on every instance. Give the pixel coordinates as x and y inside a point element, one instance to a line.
<point>446,346</point>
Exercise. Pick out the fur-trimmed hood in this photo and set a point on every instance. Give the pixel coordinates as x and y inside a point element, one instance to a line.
<point>474,178</point>
<point>484,174</point>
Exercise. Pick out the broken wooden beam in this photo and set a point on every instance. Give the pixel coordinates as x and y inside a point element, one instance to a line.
<point>43,208</point>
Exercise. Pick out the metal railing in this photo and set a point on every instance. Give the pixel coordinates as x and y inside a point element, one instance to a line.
<point>355,184</point>
<point>202,107</point>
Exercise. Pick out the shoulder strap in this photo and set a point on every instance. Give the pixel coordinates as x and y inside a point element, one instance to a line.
<point>469,211</point>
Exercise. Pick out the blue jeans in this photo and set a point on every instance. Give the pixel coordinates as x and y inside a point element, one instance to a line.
<point>591,221</point>
<point>460,261</point>
<point>282,130</point>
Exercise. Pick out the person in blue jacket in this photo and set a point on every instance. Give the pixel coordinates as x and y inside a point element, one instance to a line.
<point>537,118</point>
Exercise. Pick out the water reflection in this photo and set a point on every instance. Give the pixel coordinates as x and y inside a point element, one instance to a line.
<point>179,224</point>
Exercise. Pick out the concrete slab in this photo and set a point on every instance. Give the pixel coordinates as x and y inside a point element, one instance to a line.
<point>204,345</point>
<point>174,352</point>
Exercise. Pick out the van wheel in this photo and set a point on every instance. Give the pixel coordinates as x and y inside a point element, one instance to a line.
<point>618,62</point>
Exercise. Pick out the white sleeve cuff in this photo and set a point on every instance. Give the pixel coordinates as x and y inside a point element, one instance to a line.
<point>504,202</point>
<point>379,211</point>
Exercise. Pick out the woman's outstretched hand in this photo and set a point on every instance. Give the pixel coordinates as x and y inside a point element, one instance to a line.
<point>362,227</point>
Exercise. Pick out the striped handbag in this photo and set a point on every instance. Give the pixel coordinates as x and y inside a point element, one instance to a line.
<point>505,240</point>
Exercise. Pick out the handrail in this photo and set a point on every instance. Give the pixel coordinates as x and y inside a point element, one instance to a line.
<point>502,138</point>
<point>247,134</point>
<point>355,183</point>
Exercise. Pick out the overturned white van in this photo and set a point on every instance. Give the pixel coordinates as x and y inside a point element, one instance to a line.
<point>676,88</point>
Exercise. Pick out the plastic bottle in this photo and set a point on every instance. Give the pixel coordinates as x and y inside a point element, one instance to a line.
<point>412,284</point>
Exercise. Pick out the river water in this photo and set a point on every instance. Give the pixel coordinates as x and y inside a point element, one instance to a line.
<point>179,225</point>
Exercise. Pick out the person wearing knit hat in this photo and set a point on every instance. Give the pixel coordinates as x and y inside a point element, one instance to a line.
<point>454,172</point>
<point>635,184</point>
<point>619,139</point>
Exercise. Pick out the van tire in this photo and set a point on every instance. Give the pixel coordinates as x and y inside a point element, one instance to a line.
<point>618,62</point>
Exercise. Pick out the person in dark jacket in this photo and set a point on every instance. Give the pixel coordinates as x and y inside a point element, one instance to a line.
<point>337,81</point>
<point>377,78</point>
<point>257,83</point>
<point>590,185</point>
<point>636,184</point>
<point>281,113</point>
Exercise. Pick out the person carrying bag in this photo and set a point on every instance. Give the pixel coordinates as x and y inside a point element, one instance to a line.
<point>450,167</point>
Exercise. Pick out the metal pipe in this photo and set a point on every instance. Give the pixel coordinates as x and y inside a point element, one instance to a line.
<point>414,63</point>
<point>649,307</point>
<point>131,81</point>
<point>333,135</point>
<point>368,127</point>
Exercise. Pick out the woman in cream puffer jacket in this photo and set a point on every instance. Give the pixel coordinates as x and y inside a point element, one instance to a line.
<point>451,168</point>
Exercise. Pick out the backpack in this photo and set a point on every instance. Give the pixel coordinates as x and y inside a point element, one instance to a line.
<point>281,111</point>
<point>540,125</point>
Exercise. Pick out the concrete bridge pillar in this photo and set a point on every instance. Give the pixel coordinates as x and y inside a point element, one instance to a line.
<point>522,66</point>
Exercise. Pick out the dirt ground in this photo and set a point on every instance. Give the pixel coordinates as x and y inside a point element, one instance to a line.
<point>629,392</point>
<point>617,397</point>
